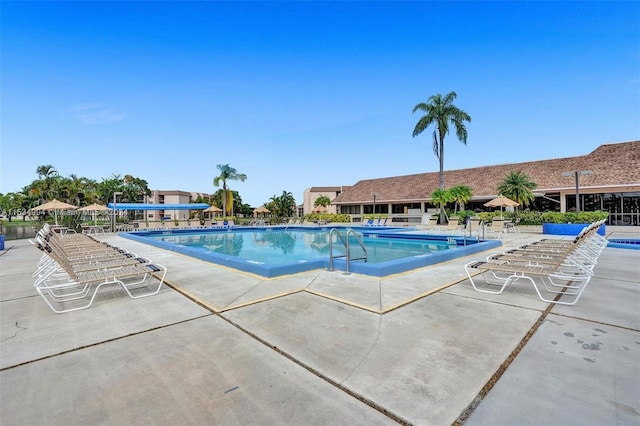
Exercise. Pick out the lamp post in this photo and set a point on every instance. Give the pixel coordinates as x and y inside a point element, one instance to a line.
<point>577,174</point>
<point>113,229</point>
<point>374,202</point>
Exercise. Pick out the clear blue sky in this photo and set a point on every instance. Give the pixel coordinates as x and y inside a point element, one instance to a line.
<point>301,94</point>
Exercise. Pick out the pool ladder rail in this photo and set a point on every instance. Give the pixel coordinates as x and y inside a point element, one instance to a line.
<point>345,241</point>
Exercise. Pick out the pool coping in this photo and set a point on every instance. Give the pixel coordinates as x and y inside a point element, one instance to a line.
<point>624,243</point>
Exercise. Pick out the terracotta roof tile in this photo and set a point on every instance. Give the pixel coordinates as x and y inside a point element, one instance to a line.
<point>326,188</point>
<point>612,164</point>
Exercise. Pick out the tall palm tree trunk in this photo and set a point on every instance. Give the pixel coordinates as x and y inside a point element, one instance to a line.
<point>441,175</point>
<point>224,198</point>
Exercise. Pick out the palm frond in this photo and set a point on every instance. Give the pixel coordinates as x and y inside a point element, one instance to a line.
<point>449,98</point>
<point>422,124</point>
<point>421,106</point>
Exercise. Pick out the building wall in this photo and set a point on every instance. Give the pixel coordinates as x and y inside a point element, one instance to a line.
<point>171,197</point>
<point>311,195</point>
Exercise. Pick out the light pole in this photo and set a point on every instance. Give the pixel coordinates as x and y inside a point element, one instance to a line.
<point>374,203</point>
<point>577,174</point>
<point>113,229</point>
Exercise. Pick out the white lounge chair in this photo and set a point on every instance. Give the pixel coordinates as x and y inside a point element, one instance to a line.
<point>560,268</point>
<point>71,277</point>
<point>431,225</point>
<point>497,228</point>
<point>452,225</point>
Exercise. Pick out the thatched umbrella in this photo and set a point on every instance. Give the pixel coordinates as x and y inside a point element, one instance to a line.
<point>262,210</point>
<point>212,209</point>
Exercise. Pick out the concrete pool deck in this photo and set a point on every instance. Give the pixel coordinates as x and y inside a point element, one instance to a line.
<point>217,346</point>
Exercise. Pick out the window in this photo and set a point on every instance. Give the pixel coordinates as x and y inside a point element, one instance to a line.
<point>544,204</point>
<point>404,208</point>
<point>591,202</point>
<point>612,203</point>
<point>631,202</point>
<point>350,209</point>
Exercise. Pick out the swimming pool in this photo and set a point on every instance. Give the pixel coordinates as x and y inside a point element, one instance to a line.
<point>276,251</point>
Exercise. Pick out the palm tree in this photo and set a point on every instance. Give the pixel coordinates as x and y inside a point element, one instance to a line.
<point>282,206</point>
<point>441,197</point>
<point>460,194</point>
<point>322,200</point>
<point>72,188</point>
<point>48,175</point>
<point>519,187</point>
<point>227,173</point>
<point>46,171</point>
<point>440,111</point>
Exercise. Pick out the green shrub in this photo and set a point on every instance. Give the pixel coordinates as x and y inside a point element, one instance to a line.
<point>527,217</point>
<point>375,216</point>
<point>328,217</point>
<point>573,217</point>
<point>463,215</point>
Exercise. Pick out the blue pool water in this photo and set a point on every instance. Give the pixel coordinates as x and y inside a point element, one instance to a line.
<point>275,251</point>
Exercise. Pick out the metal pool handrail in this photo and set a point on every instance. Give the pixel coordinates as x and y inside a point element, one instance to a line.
<point>345,242</point>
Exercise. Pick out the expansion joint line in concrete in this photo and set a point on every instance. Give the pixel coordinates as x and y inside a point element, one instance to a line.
<point>596,322</point>
<point>365,356</point>
<point>114,339</point>
<point>293,359</point>
<point>343,301</point>
<point>264,299</point>
<point>420,296</point>
<point>191,297</point>
<point>5,251</point>
<point>466,413</point>
<point>318,374</point>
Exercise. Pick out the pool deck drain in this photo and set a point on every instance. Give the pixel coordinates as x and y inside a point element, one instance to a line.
<point>420,348</point>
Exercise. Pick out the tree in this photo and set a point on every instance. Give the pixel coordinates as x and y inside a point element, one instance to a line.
<point>46,171</point>
<point>71,189</point>
<point>217,199</point>
<point>227,173</point>
<point>134,189</point>
<point>11,203</point>
<point>107,187</point>
<point>282,206</point>
<point>519,187</point>
<point>47,178</point>
<point>441,197</point>
<point>322,200</point>
<point>440,111</point>
<point>460,194</point>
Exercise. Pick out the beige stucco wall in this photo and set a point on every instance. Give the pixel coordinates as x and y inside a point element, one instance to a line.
<point>311,196</point>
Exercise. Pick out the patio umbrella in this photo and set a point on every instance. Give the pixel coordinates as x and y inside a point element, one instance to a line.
<point>55,205</point>
<point>501,201</point>
<point>320,209</point>
<point>95,207</point>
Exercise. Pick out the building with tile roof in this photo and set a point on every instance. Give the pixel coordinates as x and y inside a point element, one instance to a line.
<point>311,195</point>
<point>613,185</point>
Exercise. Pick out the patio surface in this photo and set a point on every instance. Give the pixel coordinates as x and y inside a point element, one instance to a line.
<point>217,346</point>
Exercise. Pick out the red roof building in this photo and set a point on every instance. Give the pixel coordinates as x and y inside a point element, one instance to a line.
<point>613,185</point>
